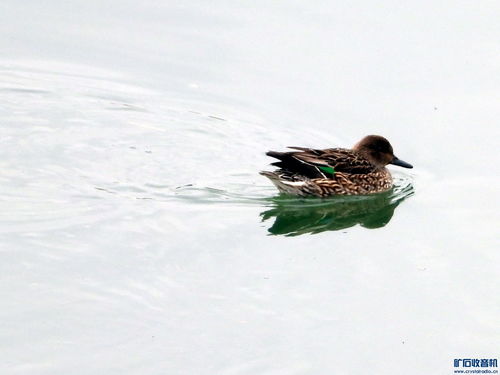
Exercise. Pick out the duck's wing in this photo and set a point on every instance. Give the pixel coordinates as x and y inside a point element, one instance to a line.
<point>314,163</point>
<point>340,159</point>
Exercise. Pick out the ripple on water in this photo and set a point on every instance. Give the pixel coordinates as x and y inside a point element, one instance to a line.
<point>74,144</point>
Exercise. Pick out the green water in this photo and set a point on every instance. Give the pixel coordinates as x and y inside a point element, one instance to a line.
<point>294,217</point>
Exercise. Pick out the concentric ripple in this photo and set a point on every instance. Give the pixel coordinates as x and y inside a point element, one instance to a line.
<point>85,145</point>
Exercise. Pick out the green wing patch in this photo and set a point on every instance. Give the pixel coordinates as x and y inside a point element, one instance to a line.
<point>329,170</point>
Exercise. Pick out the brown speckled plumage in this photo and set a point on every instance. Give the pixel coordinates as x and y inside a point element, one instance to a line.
<point>335,171</point>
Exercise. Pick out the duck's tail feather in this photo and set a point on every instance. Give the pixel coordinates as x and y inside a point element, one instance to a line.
<point>285,183</point>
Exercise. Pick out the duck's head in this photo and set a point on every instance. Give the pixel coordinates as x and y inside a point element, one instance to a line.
<point>379,152</point>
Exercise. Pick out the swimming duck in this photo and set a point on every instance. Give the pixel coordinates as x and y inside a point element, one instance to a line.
<point>335,171</point>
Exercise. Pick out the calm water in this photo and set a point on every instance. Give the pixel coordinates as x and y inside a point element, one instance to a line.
<point>136,236</point>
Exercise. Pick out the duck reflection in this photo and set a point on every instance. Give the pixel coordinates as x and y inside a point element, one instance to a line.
<point>294,217</point>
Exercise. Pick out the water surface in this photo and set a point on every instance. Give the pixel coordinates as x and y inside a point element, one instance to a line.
<point>137,236</point>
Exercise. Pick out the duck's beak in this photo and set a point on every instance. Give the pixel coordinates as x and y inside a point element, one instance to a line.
<point>400,163</point>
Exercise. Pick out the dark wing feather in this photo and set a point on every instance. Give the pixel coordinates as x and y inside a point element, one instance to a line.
<point>307,161</point>
<point>289,163</point>
<point>341,159</point>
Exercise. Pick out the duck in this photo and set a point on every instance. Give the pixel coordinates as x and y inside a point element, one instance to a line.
<point>335,171</point>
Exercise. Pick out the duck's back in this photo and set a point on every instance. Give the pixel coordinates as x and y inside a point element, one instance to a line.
<point>314,163</point>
